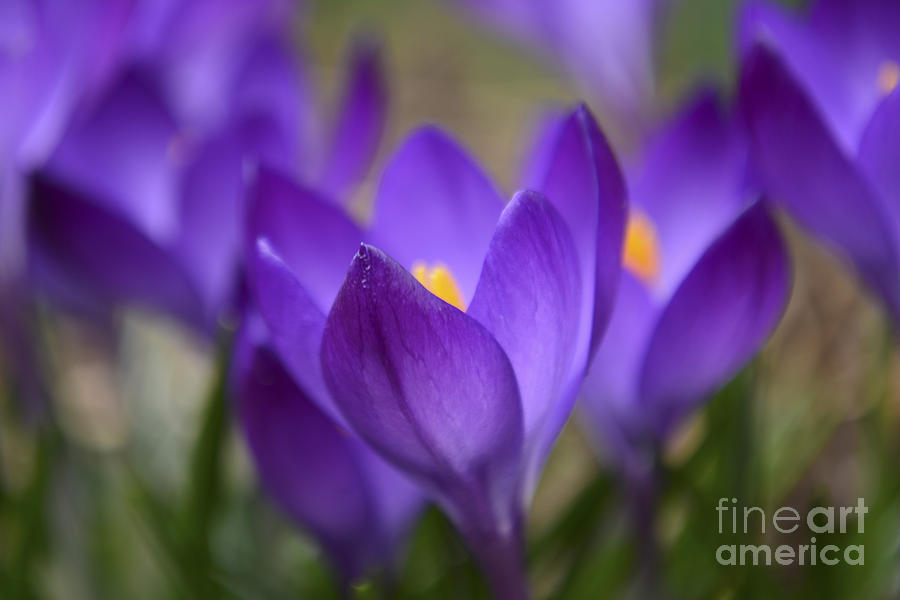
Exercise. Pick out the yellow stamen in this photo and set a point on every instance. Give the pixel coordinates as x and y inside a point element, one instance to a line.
<point>439,281</point>
<point>888,77</point>
<point>642,255</point>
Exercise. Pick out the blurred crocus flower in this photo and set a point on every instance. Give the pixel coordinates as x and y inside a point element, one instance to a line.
<point>329,482</point>
<point>138,204</point>
<point>819,93</point>
<point>705,281</point>
<point>52,55</point>
<point>456,353</point>
<point>606,45</point>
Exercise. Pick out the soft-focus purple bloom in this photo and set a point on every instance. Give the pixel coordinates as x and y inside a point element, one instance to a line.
<point>819,93</point>
<point>200,51</point>
<point>51,56</point>
<point>329,481</point>
<point>706,280</point>
<point>356,505</point>
<point>467,403</point>
<point>607,45</point>
<point>141,200</point>
<point>112,213</point>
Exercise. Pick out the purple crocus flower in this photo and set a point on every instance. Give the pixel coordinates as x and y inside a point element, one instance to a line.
<point>458,354</point>
<point>161,195</point>
<point>356,505</point>
<point>705,281</point>
<point>819,93</point>
<point>51,58</point>
<point>330,482</point>
<point>606,45</point>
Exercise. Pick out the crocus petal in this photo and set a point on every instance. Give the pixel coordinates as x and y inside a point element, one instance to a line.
<point>310,467</point>
<point>879,153</point>
<point>436,205</point>
<point>397,500</point>
<point>360,123</point>
<point>609,389</point>
<point>836,51</point>
<point>528,297</point>
<point>608,45</point>
<point>294,322</point>
<point>87,252</point>
<point>718,318</point>
<point>580,176</point>
<point>802,168</point>
<point>208,240</point>
<point>859,38</point>
<point>313,236</point>
<point>428,387</point>
<point>271,88</point>
<point>29,65</point>
<point>196,47</point>
<point>90,38</point>
<point>690,183</point>
<point>131,170</point>
<point>807,54</point>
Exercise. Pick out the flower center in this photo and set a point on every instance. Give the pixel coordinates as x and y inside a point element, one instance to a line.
<point>888,77</point>
<point>642,256</point>
<point>439,281</point>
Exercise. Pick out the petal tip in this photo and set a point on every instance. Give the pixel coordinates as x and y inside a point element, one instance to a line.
<point>529,196</point>
<point>264,247</point>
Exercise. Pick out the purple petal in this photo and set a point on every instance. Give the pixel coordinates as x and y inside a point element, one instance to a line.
<point>609,391</point>
<point>802,168</point>
<point>208,241</point>
<point>436,205</point>
<point>271,88</point>
<point>317,473</point>
<point>528,297</point>
<point>360,123</point>
<point>89,37</point>
<point>28,66</point>
<point>92,255</point>
<point>879,153</point>
<point>428,387</point>
<point>581,177</point>
<point>717,320</point>
<point>690,183</point>
<point>294,322</point>
<point>125,156</point>
<point>836,52</point>
<point>197,46</point>
<point>313,236</point>
<point>609,46</point>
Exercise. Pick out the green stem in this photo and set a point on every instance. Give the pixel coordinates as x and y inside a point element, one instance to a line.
<point>204,487</point>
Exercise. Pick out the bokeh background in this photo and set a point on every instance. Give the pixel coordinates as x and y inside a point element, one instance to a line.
<point>106,505</point>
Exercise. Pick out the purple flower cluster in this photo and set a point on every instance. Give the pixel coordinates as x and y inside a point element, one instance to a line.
<point>130,129</point>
